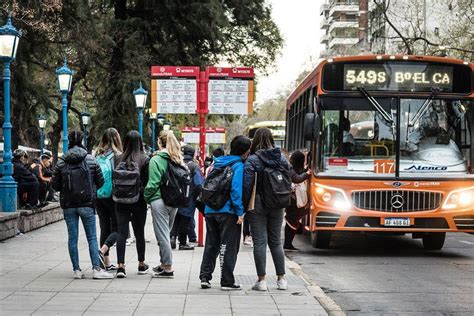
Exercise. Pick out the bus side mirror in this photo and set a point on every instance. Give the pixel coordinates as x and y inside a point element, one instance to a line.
<point>312,126</point>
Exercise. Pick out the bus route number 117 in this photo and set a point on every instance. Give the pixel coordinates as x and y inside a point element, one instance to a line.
<point>384,166</point>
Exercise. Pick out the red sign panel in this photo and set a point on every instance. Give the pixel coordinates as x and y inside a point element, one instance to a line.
<point>338,162</point>
<point>233,72</point>
<point>174,71</point>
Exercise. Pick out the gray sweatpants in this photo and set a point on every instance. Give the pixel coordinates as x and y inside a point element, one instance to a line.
<point>163,218</point>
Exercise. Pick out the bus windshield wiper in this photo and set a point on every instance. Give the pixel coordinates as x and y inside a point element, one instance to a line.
<point>421,111</point>
<point>386,116</point>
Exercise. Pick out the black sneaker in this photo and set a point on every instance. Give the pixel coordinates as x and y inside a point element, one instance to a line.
<point>205,284</point>
<point>121,273</point>
<point>158,269</point>
<point>112,267</point>
<point>233,287</point>
<point>143,269</point>
<point>290,248</point>
<point>102,260</point>
<point>186,247</point>
<point>173,242</point>
<point>163,274</point>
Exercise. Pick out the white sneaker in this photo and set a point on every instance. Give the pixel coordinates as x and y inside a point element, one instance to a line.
<point>248,241</point>
<point>282,284</point>
<point>260,286</point>
<point>102,274</point>
<point>78,274</point>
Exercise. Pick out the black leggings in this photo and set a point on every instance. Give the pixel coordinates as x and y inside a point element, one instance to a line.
<point>107,221</point>
<point>136,213</point>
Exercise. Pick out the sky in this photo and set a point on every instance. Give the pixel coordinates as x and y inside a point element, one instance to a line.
<point>298,21</point>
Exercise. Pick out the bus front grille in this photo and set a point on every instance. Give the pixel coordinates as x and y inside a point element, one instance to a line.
<point>464,221</point>
<point>396,201</point>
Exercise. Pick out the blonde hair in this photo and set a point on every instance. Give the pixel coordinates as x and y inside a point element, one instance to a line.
<point>169,141</point>
<point>110,141</point>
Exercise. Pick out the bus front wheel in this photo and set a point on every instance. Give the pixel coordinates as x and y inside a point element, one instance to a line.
<point>433,241</point>
<point>321,239</point>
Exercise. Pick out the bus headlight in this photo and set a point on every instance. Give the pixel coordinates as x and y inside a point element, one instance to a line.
<point>459,198</point>
<point>331,196</point>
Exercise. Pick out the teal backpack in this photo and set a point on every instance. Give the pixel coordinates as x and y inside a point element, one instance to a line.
<point>106,163</point>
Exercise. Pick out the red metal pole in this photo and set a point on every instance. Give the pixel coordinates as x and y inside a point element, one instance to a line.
<point>202,110</point>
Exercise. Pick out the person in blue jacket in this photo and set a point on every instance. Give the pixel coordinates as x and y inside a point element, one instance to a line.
<point>223,226</point>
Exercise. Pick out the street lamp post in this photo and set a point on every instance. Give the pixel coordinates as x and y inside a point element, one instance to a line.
<point>85,116</point>
<point>153,121</point>
<point>64,76</point>
<point>42,125</point>
<point>140,101</point>
<point>9,38</point>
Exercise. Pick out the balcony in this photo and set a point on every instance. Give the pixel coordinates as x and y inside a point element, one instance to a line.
<point>324,39</point>
<point>324,9</point>
<point>346,8</point>
<point>343,24</point>
<point>324,24</point>
<point>343,41</point>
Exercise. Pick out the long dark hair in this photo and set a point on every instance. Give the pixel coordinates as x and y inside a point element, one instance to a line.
<point>132,147</point>
<point>263,139</point>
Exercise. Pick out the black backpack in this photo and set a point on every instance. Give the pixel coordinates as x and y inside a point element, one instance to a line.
<point>76,190</point>
<point>175,186</point>
<point>217,186</point>
<point>276,187</point>
<point>126,183</point>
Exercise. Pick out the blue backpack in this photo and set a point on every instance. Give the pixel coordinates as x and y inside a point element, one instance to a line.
<point>106,163</point>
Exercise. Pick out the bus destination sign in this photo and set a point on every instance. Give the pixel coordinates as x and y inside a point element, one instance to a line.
<point>398,77</point>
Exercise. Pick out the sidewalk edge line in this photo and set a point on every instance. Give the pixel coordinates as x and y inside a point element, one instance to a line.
<point>331,307</point>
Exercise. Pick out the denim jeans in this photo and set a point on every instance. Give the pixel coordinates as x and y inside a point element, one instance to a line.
<point>71,216</point>
<point>266,230</point>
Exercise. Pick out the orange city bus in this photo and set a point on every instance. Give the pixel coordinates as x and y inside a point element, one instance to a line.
<point>391,146</point>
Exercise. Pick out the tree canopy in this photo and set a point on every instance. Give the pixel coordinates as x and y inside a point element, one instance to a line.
<point>112,44</point>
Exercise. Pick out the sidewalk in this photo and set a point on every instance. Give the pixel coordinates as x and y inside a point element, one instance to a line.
<point>36,278</point>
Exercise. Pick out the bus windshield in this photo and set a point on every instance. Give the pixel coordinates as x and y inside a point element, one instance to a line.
<point>434,138</point>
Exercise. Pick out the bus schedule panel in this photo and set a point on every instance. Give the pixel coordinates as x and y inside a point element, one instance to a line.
<point>398,77</point>
<point>174,89</point>
<point>230,90</point>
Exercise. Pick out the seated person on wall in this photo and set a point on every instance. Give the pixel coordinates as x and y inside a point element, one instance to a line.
<point>26,180</point>
<point>40,168</point>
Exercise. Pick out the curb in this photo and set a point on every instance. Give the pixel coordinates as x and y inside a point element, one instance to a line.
<point>326,302</point>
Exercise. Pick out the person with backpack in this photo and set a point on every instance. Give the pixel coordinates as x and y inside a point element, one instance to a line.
<point>183,224</point>
<point>168,188</point>
<point>129,178</point>
<point>77,176</point>
<point>224,212</point>
<point>267,171</point>
<point>299,198</point>
<point>107,156</point>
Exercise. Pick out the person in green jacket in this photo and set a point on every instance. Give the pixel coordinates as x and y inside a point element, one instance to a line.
<point>163,215</point>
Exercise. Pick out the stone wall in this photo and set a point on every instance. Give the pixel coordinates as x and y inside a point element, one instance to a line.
<point>8,224</point>
<point>26,220</point>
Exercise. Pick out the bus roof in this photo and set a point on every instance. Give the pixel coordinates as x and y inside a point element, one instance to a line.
<point>312,79</point>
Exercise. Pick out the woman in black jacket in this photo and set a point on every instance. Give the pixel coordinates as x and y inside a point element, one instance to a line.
<point>265,223</point>
<point>294,213</point>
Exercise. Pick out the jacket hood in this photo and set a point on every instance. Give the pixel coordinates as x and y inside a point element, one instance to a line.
<point>163,154</point>
<point>75,155</point>
<point>223,161</point>
<point>271,157</point>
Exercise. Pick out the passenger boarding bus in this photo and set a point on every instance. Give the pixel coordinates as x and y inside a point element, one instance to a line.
<point>276,127</point>
<point>391,146</point>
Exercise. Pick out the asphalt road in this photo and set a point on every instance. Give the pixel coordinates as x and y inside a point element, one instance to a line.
<point>368,274</point>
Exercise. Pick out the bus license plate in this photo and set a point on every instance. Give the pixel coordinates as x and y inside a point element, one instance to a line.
<point>404,222</point>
